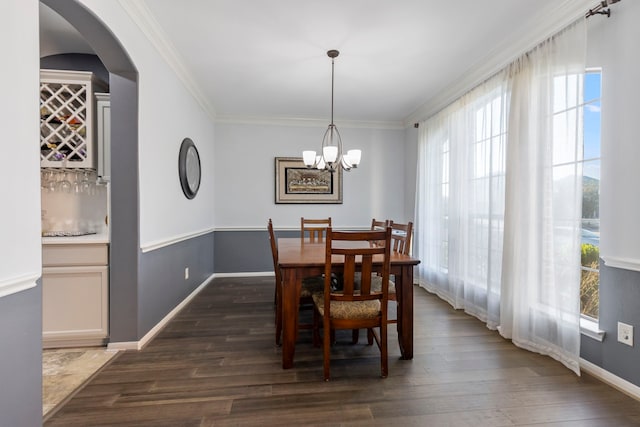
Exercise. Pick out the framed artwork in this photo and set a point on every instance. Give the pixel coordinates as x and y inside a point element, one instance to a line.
<point>295,183</point>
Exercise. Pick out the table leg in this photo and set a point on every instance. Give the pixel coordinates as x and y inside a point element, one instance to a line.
<point>404,291</point>
<point>290,309</point>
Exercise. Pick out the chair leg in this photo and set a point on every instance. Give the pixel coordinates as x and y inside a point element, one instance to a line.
<point>316,328</point>
<point>384,357</point>
<point>278,299</point>
<point>355,336</point>
<point>326,344</point>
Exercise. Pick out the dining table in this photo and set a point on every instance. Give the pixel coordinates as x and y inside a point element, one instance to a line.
<point>299,258</point>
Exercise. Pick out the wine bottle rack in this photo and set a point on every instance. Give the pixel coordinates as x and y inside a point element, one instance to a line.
<point>66,119</point>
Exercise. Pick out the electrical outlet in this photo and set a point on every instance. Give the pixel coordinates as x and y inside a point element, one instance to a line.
<point>186,273</point>
<point>625,334</point>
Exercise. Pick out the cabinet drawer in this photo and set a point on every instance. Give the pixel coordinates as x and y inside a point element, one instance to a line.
<point>74,255</point>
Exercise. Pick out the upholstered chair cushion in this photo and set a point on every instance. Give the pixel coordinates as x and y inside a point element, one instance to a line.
<point>349,309</point>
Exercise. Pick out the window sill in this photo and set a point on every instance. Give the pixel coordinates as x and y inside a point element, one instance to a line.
<point>590,328</point>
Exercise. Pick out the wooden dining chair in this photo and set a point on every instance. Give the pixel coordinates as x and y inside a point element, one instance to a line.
<point>401,237</point>
<point>310,285</point>
<point>379,225</point>
<point>315,229</point>
<point>400,243</point>
<point>353,308</point>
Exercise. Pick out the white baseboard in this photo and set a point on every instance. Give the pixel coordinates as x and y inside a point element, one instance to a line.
<point>251,274</point>
<point>614,381</point>
<point>139,345</point>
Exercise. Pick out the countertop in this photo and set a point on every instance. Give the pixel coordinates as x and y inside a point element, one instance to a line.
<point>87,239</point>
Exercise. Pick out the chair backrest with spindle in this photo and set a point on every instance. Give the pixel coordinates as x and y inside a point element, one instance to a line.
<point>357,265</point>
<point>379,225</point>
<point>401,237</point>
<point>314,228</point>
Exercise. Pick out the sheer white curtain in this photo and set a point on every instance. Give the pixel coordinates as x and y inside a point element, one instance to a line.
<point>540,302</point>
<point>497,221</point>
<point>459,220</point>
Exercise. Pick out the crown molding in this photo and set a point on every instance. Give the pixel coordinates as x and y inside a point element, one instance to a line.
<point>144,20</point>
<point>543,26</point>
<point>308,122</point>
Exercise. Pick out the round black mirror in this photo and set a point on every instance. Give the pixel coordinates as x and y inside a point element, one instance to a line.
<point>189,168</point>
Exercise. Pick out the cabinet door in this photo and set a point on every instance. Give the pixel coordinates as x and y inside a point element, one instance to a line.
<point>103,130</point>
<point>75,305</point>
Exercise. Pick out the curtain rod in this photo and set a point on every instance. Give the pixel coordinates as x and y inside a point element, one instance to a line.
<point>600,8</point>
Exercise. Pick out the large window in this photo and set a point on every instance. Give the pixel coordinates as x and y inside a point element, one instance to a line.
<point>590,245</point>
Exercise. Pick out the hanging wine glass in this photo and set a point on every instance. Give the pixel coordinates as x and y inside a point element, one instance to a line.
<point>77,182</point>
<point>85,184</point>
<point>46,175</point>
<point>93,178</point>
<point>65,185</point>
<point>52,183</point>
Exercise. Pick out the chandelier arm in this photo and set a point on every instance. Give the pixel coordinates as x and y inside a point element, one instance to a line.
<point>340,152</point>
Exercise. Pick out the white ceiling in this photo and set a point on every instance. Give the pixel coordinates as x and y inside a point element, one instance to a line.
<point>267,59</point>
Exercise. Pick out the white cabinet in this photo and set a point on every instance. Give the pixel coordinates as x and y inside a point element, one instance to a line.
<point>67,119</point>
<point>103,134</point>
<point>75,295</point>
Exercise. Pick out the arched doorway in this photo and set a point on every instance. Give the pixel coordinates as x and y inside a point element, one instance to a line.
<point>124,218</point>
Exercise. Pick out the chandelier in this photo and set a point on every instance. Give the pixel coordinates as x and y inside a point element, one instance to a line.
<point>332,156</point>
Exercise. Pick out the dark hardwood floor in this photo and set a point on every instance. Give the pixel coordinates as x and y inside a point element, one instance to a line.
<point>216,364</point>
